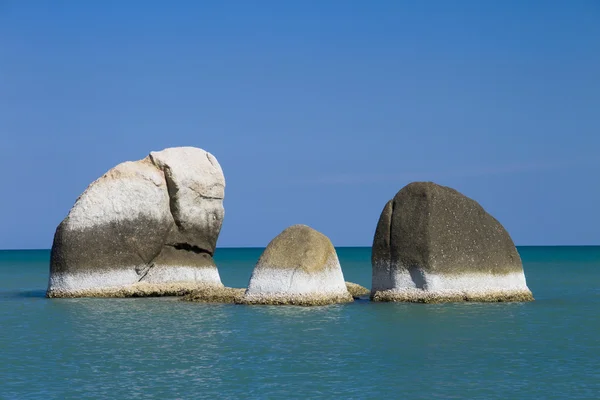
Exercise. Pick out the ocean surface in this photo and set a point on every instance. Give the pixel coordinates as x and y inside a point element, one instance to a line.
<point>162,348</point>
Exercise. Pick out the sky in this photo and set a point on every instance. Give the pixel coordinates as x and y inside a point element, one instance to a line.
<point>318,111</point>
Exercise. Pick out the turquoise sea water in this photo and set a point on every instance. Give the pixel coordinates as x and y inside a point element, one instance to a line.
<point>168,349</point>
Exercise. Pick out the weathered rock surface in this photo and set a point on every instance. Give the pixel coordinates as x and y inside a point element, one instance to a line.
<point>145,228</point>
<point>433,244</point>
<point>300,267</point>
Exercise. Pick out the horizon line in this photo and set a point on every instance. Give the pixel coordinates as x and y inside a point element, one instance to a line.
<point>339,247</point>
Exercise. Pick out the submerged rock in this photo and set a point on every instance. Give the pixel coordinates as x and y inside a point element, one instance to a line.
<point>357,290</point>
<point>213,294</point>
<point>145,228</point>
<point>300,267</point>
<point>433,244</point>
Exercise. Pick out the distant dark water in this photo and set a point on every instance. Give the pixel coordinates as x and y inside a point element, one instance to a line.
<point>166,349</point>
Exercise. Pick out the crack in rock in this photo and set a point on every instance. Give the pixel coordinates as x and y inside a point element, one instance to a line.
<point>143,271</point>
<point>189,247</point>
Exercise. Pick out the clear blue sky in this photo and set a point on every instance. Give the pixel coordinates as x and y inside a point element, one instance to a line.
<point>318,111</point>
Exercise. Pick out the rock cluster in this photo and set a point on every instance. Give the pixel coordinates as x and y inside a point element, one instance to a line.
<point>150,228</point>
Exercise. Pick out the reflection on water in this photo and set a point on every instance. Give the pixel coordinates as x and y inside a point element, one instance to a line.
<point>24,293</point>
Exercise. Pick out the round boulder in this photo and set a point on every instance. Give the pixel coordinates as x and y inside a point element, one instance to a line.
<point>433,244</point>
<point>145,228</point>
<point>299,267</point>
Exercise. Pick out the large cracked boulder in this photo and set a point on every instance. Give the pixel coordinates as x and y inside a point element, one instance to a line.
<point>299,267</point>
<point>145,228</point>
<point>433,244</point>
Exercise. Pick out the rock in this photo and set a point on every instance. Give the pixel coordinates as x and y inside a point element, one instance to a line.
<point>433,244</point>
<point>300,267</point>
<point>145,228</point>
<point>213,294</point>
<point>356,290</point>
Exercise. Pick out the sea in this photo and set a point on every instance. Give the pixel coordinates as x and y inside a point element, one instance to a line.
<point>164,348</point>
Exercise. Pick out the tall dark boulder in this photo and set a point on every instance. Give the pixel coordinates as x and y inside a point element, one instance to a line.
<point>433,244</point>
